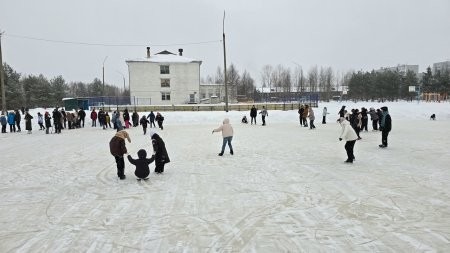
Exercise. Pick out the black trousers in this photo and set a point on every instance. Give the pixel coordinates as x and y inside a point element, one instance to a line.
<point>364,124</point>
<point>349,145</point>
<point>159,167</point>
<point>375,124</point>
<point>384,137</point>
<point>253,118</point>
<point>18,126</point>
<point>12,128</point>
<point>324,119</point>
<point>263,120</point>
<point>3,128</point>
<point>311,124</point>
<point>120,162</point>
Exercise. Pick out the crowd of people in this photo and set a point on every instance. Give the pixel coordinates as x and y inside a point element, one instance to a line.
<point>352,122</point>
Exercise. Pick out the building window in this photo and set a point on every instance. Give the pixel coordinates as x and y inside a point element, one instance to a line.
<point>165,83</point>
<point>164,69</point>
<point>165,96</point>
<point>203,95</point>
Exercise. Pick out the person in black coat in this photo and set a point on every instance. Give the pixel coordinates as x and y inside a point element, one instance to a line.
<point>386,126</point>
<point>28,118</point>
<point>159,118</point>
<point>17,119</point>
<point>342,112</point>
<point>151,117</point>
<point>135,119</point>
<point>253,114</point>
<point>160,152</point>
<point>47,120</point>
<point>142,170</point>
<point>82,115</point>
<point>144,123</point>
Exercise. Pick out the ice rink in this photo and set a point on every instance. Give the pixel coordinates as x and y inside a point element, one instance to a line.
<point>286,188</point>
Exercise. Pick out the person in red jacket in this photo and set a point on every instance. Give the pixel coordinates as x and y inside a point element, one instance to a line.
<point>118,150</point>
<point>94,118</point>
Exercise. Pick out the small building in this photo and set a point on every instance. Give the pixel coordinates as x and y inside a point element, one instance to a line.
<point>164,78</point>
<point>441,67</point>
<point>75,103</point>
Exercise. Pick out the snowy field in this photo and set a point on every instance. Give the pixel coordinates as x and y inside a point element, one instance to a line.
<point>286,189</point>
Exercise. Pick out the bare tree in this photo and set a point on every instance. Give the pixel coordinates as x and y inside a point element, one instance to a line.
<point>313,79</point>
<point>266,76</point>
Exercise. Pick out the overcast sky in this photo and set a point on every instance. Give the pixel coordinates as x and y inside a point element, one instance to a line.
<point>343,34</point>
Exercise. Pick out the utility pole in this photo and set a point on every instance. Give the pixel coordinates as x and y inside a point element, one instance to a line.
<point>225,64</point>
<point>103,68</point>
<point>2,78</point>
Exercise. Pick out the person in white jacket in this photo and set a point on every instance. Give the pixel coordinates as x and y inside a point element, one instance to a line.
<point>348,134</point>
<point>227,134</point>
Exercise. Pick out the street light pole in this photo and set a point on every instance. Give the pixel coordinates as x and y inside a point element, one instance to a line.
<point>225,64</point>
<point>103,70</point>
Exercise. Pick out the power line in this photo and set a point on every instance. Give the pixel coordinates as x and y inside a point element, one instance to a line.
<point>108,45</point>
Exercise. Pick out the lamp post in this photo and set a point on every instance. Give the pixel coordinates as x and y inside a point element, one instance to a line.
<point>103,80</point>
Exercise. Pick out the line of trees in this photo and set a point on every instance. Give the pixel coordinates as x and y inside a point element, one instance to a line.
<point>360,85</point>
<point>32,91</point>
<point>393,85</point>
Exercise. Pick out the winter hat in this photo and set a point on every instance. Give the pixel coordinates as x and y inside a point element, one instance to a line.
<point>124,135</point>
<point>384,108</point>
<point>142,153</point>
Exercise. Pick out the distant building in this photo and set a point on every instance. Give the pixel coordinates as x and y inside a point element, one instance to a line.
<point>164,78</point>
<point>212,92</point>
<point>441,66</point>
<point>402,69</point>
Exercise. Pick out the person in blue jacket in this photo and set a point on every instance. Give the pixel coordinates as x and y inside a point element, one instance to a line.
<point>12,122</point>
<point>3,122</point>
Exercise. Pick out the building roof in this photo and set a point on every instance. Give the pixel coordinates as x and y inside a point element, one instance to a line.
<point>165,57</point>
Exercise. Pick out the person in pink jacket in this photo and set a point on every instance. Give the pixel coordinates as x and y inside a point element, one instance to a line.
<point>227,134</point>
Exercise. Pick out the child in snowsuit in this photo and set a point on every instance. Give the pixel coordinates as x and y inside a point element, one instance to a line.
<point>244,120</point>
<point>144,123</point>
<point>3,121</point>
<point>118,150</point>
<point>159,151</point>
<point>227,134</point>
<point>142,170</point>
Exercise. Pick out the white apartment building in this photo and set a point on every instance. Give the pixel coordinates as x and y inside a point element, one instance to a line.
<point>441,66</point>
<point>164,78</point>
<point>402,69</point>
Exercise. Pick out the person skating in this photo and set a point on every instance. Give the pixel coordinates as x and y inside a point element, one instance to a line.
<point>28,125</point>
<point>374,118</point>
<point>227,134</point>
<point>253,114</point>
<point>386,126</point>
<point>324,115</point>
<point>264,114</point>
<point>144,122</point>
<point>118,150</point>
<point>311,118</point>
<point>135,119</point>
<point>3,122</point>
<point>151,117</point>
<point>300,114</point>
<point>159,118</point>
<point>305,115</point>
<point>48,122</point>
<point>81,115</point>
<point>12,122</point>
<point>142,170</point>
<point>94,118</point>
<point>349,135</point>
<point>159,151</point>
<point>17,118</point>
<point>41,121</point>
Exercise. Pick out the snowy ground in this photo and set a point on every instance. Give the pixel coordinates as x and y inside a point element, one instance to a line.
<point>286,189</point>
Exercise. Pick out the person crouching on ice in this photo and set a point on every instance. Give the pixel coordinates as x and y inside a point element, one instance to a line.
<point>227,134</point>
<point>118,149</point>
<point>348,134</point>
<point>142,170</point>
